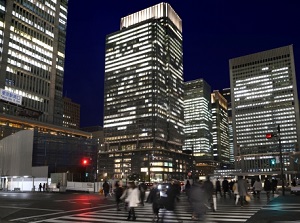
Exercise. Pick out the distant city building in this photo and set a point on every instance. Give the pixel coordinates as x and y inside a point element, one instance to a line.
<point>32,55</point>
<point>264,98</point>
<point>198,124</point>
<point>71,114</point>
<point>220,132</point>
<point>31,149</point>
<point>226,92</point>
<point>143,102</point>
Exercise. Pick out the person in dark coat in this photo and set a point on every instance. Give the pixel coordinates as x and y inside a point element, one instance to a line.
<point>118,194</point>
<point>274,185</point>
<point>105,188</point>
<point>154,198</point>
<point>187,188</point>
<point>218,187</point>
<point>142,188</point>
<point>198,197</point>
<point>267,188</point>
<point>208,188</point>
<point>225,186</point>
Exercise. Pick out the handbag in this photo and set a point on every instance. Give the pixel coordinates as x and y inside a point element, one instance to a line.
<point>248,198</point>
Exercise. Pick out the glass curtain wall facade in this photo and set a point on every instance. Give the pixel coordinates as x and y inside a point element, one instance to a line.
<point>143,102</point>
<point>32,49</point>
<point>198,119</point>
<point>264,97</point>
<point>220,131</point>
<point>226,92</point>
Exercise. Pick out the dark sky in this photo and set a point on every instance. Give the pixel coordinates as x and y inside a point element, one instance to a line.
<point>214,31</point>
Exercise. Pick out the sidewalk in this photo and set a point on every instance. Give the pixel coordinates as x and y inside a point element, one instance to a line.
<point>283,209</point>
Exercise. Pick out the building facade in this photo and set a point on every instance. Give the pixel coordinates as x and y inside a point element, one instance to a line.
<point>264,99</point>
<point>32,49</point>
<point>226,93</point>
<point>220,131</point>
<point>143,102</point>
<point>198,124</point>
<point>71,114</point>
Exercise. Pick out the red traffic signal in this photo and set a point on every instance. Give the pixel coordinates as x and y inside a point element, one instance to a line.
<point>85,162</point>
<point>269,135</point>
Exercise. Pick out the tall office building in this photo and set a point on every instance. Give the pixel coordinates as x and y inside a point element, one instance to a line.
<point>264,100</point>
<point>143,102</point>
<point>226,93</point>
<point>32,49</point>
<point>220,130</point>
<point>71,115</point>
<point>198,124</point>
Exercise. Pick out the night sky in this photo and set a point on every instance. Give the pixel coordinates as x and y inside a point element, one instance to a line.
<point>213,32</point>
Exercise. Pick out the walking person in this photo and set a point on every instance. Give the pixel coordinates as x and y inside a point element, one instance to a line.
<point>235,190</point>
<point>154,198</point>
<point>105,188</point>
<point>40,187</point>
<point>257,187</point>
<point>44,187</point>
<point>209,190</point>
<point>187,188</point>
<point>225,187</point>
<point>274,185</point>
<point>142,188</point>
<point>267,188</point>
<point>218,188</point>
<point>198,198</point>
<point>243,190</point>
<point>118,194</point>
<point>133,200</point>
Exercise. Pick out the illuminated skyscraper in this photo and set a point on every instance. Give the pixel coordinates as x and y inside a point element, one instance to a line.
<point>226,93</point>
<point>264,97</point>
<point>220,131</point>
<point>143,102</point>
<point>198,124</point>
<point>32,49</point>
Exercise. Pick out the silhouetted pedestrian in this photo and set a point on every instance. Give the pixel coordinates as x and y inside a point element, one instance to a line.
<point>142,188</point>
<point>118,194</point>
<point>105,188</point>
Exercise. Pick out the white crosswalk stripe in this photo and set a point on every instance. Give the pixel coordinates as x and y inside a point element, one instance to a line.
<point>226,212</point>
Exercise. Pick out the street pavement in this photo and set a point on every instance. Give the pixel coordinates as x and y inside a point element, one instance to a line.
<point>227,211</point>
<point>283,209</point>
<point>96,208</point>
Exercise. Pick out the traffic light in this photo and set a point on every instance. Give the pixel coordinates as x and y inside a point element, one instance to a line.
<point>269,135</point>
<point>273,161</point>
<point>85,162</point>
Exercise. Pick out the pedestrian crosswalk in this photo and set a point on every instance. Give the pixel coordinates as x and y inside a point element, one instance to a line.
<point>227,211</point>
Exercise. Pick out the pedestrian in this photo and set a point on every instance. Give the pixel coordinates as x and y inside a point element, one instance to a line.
<point>274,185</point>
<point>267,188</point>
<point>172,196</point>
<point>133,200</point>
<point>187,187</point>
<point>118,194</point>
<point>235,190</point>
<point>243,189</point>
<point>225,187</point>
<point>257,187</point>
<point>218,188</point>
<point>208,188</point>
<point>124,196</point>
<point>142,188</point>
<point>197,200</point>
<point>105,188</point>
<point>294,182</point>
<point>44,187</point>
<point>40,187</point>
<point>154,198</point>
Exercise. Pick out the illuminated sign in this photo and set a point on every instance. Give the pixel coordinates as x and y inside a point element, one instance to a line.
<point>10,96</point>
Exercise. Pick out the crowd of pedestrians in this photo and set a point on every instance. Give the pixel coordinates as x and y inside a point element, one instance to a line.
<point>201,195</point>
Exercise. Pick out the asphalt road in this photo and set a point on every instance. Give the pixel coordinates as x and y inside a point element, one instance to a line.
<point>28,207</point>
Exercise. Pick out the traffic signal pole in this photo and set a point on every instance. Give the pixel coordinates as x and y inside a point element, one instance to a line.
<point>281,160</point>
